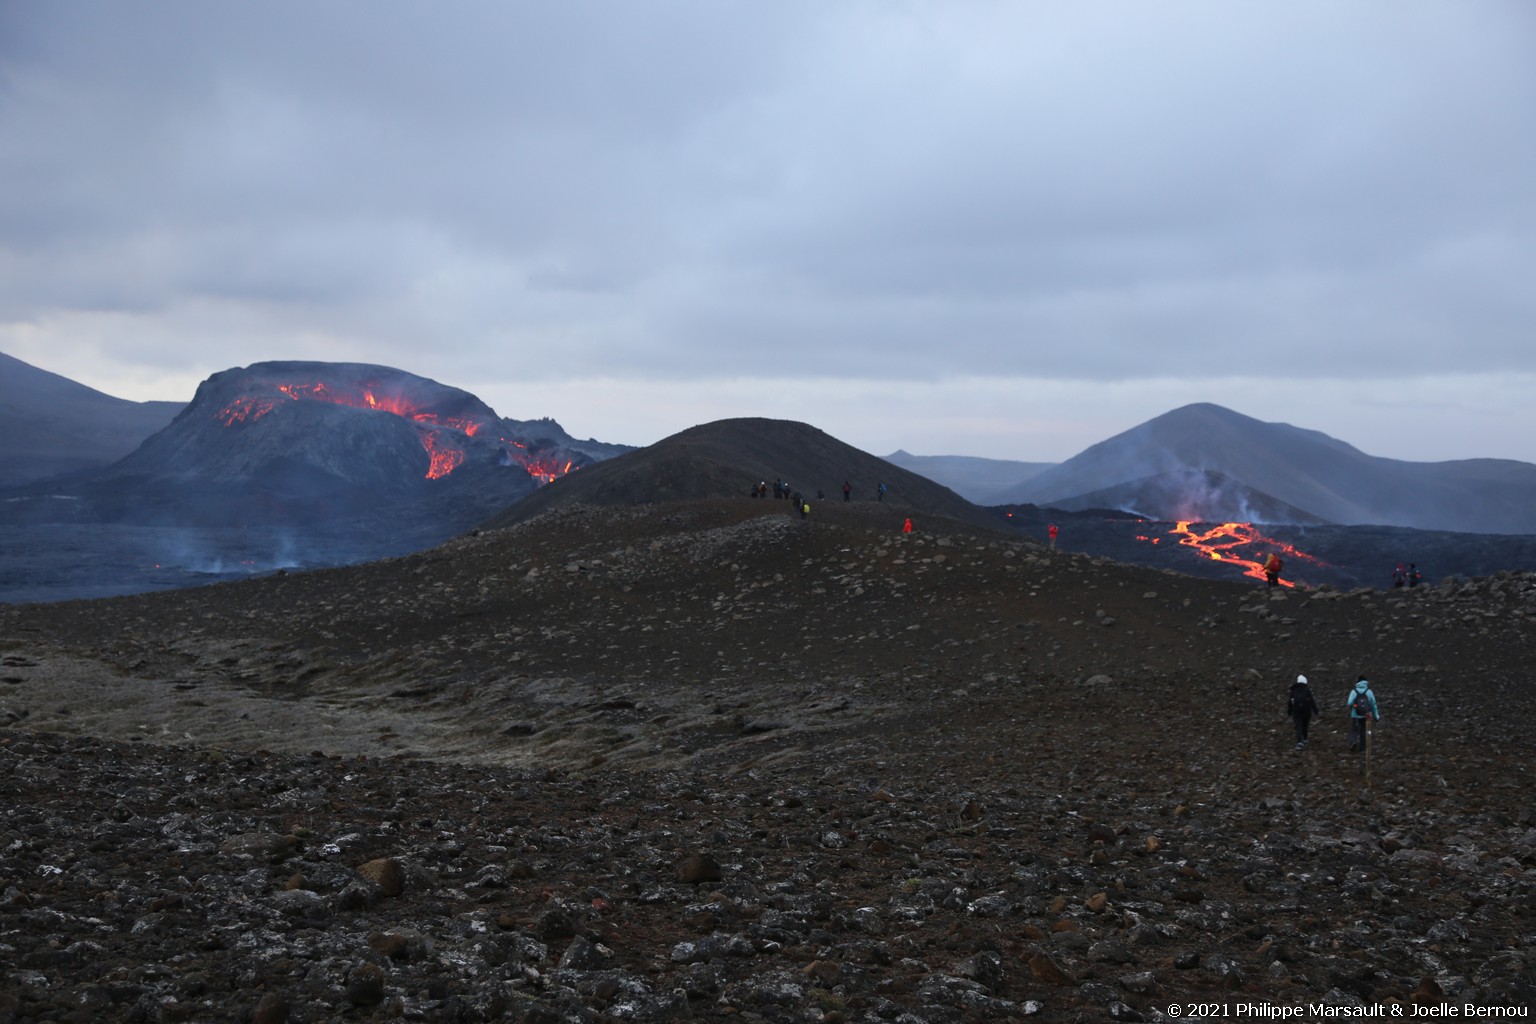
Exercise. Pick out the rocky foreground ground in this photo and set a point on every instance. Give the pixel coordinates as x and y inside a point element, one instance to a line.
<point>710,761</point>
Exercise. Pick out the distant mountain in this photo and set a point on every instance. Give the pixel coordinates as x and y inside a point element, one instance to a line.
<point>727,457</point>
<point>974,479</point>
<point>51,425</point>
<point>1208,463</point>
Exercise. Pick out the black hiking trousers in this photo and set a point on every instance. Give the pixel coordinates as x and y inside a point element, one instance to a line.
<point>1303,722</point>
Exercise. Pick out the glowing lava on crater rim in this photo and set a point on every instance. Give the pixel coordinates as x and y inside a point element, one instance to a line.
<point>445,451</point>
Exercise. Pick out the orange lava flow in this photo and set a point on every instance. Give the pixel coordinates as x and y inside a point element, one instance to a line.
<point>244,410</point>
<point>1221,541</point>
<point>545,470</point>
<point>444,456</point>
<point>369,399</point>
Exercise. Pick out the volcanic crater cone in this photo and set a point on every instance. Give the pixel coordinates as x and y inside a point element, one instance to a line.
<point>386,458</point>
<point>342,430</point>
<point>727,458</point>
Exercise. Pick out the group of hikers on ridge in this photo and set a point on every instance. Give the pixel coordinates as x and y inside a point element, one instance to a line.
<point>782,490</point>
<point>1301,705</point>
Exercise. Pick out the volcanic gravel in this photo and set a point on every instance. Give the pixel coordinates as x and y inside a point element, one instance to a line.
<point>711,760</point>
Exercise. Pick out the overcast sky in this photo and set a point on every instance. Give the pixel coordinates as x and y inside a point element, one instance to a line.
<point>1008,229</point>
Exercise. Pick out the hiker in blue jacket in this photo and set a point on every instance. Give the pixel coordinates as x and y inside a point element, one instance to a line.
<point>1362,709</point>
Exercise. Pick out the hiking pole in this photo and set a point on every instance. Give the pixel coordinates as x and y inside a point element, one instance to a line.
<point>1368,731</point>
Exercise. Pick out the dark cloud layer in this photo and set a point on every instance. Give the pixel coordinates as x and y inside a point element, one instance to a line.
<point>1314,194</point>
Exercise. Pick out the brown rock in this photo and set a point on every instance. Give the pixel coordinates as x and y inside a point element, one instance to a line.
<point>704,919</point>
<point>1429,993</point>
<point>272,1009</point>
<point>1047,971</point>
<point>700,867</point>
<point>365,985</point>
<point>390,944</point>
<point>1097,902</point>
<point>386,873</point>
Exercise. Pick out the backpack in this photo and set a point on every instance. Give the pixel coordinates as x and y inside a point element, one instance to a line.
<point>1301,702</point>
<point>1361,705</point>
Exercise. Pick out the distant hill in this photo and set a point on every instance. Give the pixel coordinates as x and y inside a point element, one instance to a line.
<point>974,479</point>
<point>51,425</point>
<point>1208,463</point>
<point>727,457</point>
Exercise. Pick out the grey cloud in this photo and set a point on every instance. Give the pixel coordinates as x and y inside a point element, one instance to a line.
<point>690,188</point>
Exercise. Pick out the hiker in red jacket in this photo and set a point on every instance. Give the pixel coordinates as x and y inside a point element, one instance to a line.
<point>1272,567</point>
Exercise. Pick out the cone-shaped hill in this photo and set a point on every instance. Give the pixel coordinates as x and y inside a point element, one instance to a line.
<point>727,458</point>
<point>1207,463</point>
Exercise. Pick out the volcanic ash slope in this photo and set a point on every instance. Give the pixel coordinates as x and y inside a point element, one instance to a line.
<point>709,759</point>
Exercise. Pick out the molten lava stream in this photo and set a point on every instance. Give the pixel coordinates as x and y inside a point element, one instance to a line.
<point>445,458</point>
<point>1219,541</point>
<point>244,410</point>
